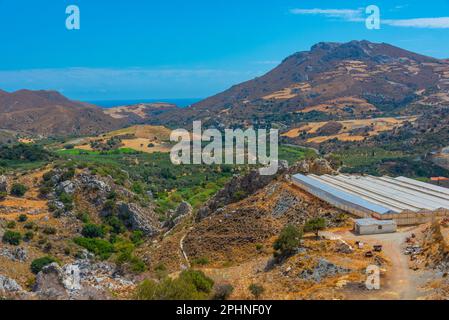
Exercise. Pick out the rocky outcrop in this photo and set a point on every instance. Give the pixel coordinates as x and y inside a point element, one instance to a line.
<point>49,285</point>
<point>235,190</point>
<point>16,254</point>
<point>3,184</point>
<point>81,280</point>
<point>9,286</point>
<point>139,218</point>
<point>182,211</point>
<point>323,269</point>
<point>94,188</point>
<point>66,187</point>
<point>318,166</point>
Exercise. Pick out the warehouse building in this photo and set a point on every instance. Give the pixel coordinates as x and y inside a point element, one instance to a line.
<point>404,200</point>
<point>373,226</point>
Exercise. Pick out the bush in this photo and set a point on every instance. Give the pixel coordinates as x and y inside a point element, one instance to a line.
<point>256,290</point>
<point>29,225</point>
<point>137,237</point>
<point>11,237</point>
<point>49,230</point>
<point>287,242</point>
<point>315,225</point>
<point>102,248</point>
<point>93,231</point>
<point>22,218</point>
<point>125,257</point>
<point>10,224</point>
<point>201,261</point>
<point>190,285</point>
<point>29,235</point>
<point>223,292</point>
<point>83,216</point>
<point>18,190</point>
<point>3,195</point>
<point>38,264</point>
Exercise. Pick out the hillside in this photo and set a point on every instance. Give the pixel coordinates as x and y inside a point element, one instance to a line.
<point>331,81</point>
<point>48,113</point>
<point>139,113</point>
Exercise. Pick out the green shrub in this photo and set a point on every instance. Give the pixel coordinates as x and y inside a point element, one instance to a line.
<point>49,230</point>
<point>11,237</point>
<point>201,261</point>
<point>67,200</point>
<point>199,279</point>
<point>83,216</point>
<point>18,190</point>
<point>29,225</point>
<point>125,257</point>
<point>91,230</point>
<point>102,248</point>
<point>256,290</point>
<point>223,292</point>
<point>315,225</point>
<point>11,224</point>
<point>288,241</point>
<point>22,218</point>
<point>190,285</point>
<point>29,235</point>
<point>137,237</point>
<point>3,195</point>
<point>38,264</point>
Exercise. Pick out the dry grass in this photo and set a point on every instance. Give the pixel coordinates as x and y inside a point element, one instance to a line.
<point>337,106</point>
<point>373,126</point>
<point>144,136</point>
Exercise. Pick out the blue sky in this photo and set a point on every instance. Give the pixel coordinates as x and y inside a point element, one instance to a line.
<point>138,49</point>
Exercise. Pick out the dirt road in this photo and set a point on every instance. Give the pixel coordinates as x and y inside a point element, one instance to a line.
<point>400,282</point>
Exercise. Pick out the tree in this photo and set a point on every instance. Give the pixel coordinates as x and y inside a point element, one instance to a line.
<point>288,240</point>
<point>18,190</point>
<point>315,225</point>
<point>256,290</point>
<point>12,237</point>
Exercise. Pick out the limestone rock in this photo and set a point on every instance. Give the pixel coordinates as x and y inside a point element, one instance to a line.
<point>138,218</point>
<point>3,184</point>
<point>8,286</point>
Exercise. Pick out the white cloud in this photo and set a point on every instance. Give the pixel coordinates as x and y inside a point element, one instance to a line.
<point>430,23</point>
<point>346,14</point>
<point>357,15</point>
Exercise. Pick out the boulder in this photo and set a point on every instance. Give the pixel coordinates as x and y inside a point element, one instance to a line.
<point>16,254</point>
<point>138,218</point>
<point>9,286</point>
<point>66,187</point>
<point>174,217</point>
<point>3,184</point>
<point>81,280</point>
<point>49,283</point>
<point>323,269</point>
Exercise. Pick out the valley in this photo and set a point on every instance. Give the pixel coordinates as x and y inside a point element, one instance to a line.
<point>92,191</point>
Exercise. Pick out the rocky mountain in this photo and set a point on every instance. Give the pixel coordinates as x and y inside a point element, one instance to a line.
<point>50,113</point>
<point>332,80</point>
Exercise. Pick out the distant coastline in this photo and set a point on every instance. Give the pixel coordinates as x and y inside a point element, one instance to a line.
<point>182,103</point>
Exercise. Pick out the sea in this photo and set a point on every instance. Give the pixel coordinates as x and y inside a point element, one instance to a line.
<point>182,103</point>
